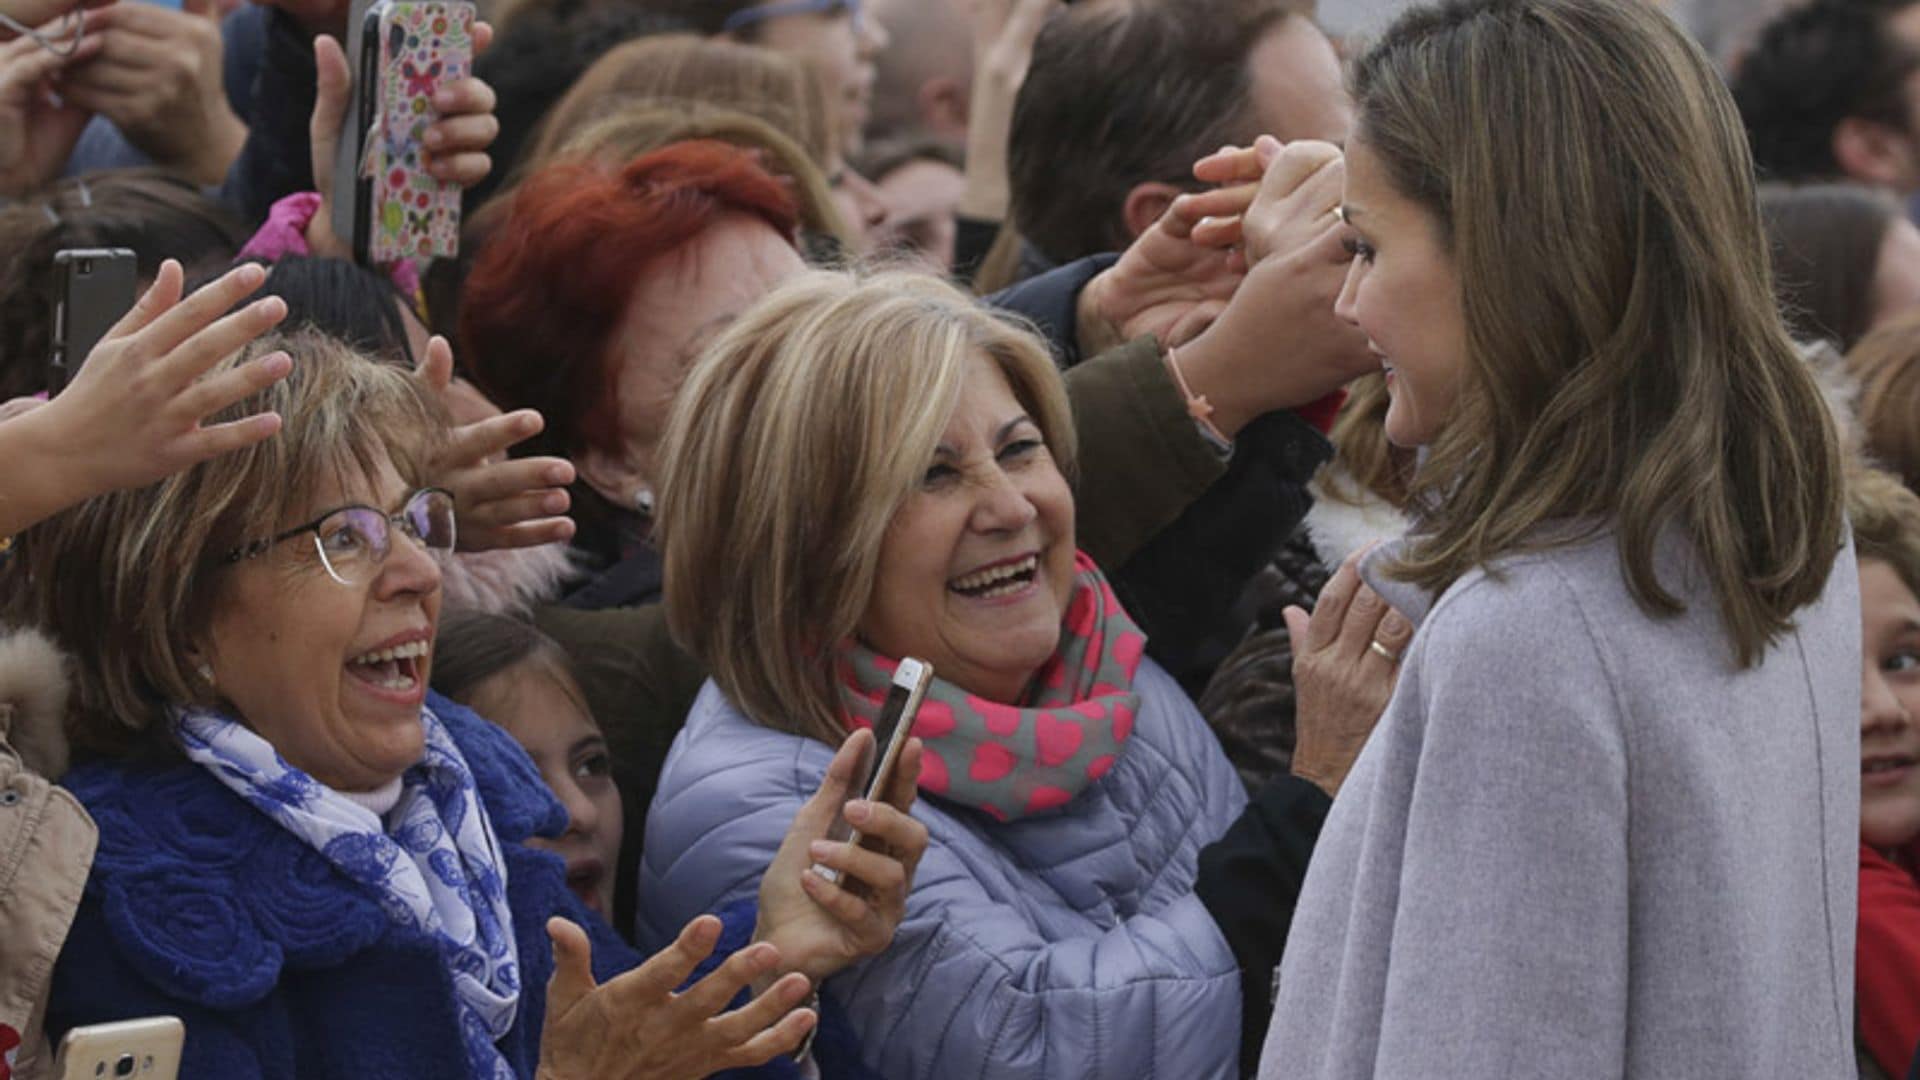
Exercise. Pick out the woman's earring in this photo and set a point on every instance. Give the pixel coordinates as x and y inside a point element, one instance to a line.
<point>206,674</point>
<point>643,501</point>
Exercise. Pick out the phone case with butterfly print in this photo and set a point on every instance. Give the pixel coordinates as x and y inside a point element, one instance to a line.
<point>423,45</point>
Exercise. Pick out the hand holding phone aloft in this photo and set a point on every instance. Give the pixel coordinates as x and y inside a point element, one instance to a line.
<point>457,143</point>
<point>134,414</point>
<point>820,926</point>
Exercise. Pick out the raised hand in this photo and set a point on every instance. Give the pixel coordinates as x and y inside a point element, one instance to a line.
<point>157,76</point>
<point>636,1027</point>
<point>1003,35</point>
<point>456,144</point>
<point>1273,198</point>
<point>37,129</point>
<point>502,502</point>
<point>819,926</point>
<point>135,412</point>
<point>1346,661</point>
<point>1165,284</point>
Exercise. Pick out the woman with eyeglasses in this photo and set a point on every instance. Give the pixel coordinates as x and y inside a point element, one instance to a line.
<point>320,866</point>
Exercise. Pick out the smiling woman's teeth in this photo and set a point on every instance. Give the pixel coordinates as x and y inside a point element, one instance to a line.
<point>998,580</point>
<point>393,669</point>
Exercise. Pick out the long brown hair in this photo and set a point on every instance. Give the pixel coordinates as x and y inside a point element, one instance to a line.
<point>1627,365</point>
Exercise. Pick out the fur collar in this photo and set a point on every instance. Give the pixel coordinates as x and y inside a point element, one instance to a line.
<point>34,689</point>
<point>1338,529</point>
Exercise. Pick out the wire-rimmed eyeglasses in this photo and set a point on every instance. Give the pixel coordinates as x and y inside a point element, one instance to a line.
<point>354,540</point>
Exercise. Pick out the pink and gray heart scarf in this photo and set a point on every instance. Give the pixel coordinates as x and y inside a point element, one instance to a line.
<point>1015,761</point>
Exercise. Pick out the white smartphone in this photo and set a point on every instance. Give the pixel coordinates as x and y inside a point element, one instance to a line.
<point>143,1049</point>
<point>890,733</point>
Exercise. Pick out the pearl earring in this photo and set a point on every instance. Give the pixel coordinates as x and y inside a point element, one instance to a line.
<point>206,673</point>
<point>643,501</point>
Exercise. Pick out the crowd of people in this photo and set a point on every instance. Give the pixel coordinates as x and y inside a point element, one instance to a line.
<point>1416,537</point>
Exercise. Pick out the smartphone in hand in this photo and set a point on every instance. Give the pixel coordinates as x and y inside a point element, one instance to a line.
<point>144,1049</point>
<point>97,288</point>
<point>874,774</point>
<point>387,206</point>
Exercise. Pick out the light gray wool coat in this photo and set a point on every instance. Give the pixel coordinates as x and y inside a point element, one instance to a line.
<point>1581,843</point>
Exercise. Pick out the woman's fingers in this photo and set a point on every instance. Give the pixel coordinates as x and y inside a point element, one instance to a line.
<point>1362,623</point>
<point>1395,633</point>
<point>191,359</point>
<point>435,372</point>
<point>887,828</point>
<point>529,534</point>
<point>1230,165</point>
<point>849,910</point>
<point>664,971</point>
<point>782,1038</point>
<point>817,813</point>
<point>880,873</point>
<point>1330,610</point>
<point>209,396</point>
<point>537,505</point>
<point>158,300</point>
<point>712,993</point>
<point>196,312</point>
<point>572,977</point>
<point>903,787</point>
<point>457,133</point>
<point>504,481</point>
<point>764,1011</point>
<point>211,442</point>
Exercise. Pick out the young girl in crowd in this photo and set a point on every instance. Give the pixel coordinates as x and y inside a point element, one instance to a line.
<point>514,675</point>
<point>1886,527</point>
<point>1606,825</point>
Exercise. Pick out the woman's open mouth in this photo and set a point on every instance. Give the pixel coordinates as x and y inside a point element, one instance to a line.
<point>395,670</point>
<point>1004,578</point>
<point>583,877</point>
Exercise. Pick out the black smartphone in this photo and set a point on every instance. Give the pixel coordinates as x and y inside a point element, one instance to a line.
<point>96,290</point>
<point>890,732</point>
<point>352,187</point>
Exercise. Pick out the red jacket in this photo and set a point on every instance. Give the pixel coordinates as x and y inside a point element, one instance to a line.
<point>1887,961</point>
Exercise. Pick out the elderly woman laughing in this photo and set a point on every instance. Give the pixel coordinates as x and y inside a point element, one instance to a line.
<point>317,864</point>
<point>859,471</point>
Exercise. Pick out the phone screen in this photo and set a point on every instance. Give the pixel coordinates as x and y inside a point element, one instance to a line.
<point>891,713</point>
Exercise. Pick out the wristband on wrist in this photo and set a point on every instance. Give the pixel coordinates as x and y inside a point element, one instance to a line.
<point>1198,406</point>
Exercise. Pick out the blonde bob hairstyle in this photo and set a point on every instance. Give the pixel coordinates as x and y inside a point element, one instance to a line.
<point>128,582</point>
<point>798,434</point>
<point>1589,176</point>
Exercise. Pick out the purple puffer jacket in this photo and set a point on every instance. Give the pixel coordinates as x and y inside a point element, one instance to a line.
<point>1060,946</point>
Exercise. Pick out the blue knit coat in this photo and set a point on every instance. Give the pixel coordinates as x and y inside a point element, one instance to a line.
<point>201,907</point>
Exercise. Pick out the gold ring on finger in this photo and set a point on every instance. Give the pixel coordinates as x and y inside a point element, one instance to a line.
<point>1383,652</point>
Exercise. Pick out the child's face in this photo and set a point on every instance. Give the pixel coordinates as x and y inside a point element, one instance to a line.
<point>1889,704</point>
<point>542,710</point>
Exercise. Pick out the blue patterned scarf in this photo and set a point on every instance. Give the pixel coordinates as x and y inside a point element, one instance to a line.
<point>434,863</point>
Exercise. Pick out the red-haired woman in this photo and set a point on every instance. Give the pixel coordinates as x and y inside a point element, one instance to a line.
<point>589,302</point>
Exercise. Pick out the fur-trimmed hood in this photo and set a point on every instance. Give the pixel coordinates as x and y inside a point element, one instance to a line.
<point>1338,529</point>
<point>35,687</point>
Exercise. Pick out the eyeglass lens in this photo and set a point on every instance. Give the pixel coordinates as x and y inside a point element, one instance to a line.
<point>355,540</point>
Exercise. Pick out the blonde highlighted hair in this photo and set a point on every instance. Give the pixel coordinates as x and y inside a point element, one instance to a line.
<point>798,434</point>
<point>127,582</point>
<point>1626,362</point>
